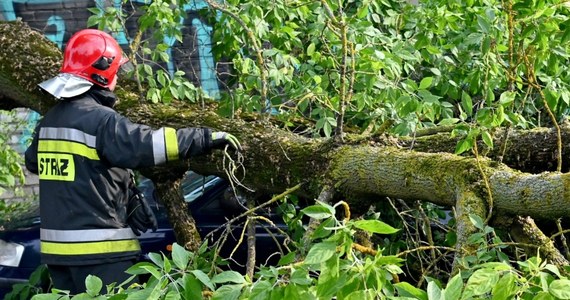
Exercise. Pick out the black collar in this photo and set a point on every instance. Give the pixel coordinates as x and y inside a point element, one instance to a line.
<point>103,96</point>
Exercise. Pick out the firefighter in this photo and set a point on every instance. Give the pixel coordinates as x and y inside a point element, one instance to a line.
<point>83,151</point>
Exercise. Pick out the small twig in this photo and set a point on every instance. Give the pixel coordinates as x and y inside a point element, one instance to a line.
<point>230,168</point>
<point>563,238</point>
<point>427,226</point>
<point>423,248</point>
<point>486,182</point>
<point>532,81</point>
<point>272,200</point>
<point>346,210</point>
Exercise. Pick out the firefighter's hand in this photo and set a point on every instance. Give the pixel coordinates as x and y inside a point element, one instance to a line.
<point>220,139</point>
<point>140,216</point>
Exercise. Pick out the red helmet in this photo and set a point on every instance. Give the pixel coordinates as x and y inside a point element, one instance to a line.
<point>94,55</point>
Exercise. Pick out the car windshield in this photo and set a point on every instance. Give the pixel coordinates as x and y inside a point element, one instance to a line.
<point>195,185</point>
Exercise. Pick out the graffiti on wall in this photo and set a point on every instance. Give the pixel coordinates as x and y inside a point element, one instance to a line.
<point>59,19</point>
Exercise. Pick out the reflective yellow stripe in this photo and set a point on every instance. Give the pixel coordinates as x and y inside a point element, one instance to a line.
<point>89,248</point>
<point>171,142</point>
<point>67,147</point>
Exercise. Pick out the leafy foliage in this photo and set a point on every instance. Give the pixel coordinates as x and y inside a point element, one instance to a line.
<point>334,266</point>
<point>476,64</point>
<point>150,49</point>
<point>10,161</point>
<point>11,173</point>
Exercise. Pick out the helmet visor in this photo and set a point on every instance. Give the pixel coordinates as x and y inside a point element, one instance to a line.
<point>126,67</point>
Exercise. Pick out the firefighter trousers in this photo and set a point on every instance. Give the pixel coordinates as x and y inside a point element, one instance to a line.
<point>72,278</point>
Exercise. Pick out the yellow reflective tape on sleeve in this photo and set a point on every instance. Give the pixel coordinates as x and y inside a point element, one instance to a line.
<point>90,248</point>
<point>67,147</point>
<point>56,166</point>
<point>171,142</point>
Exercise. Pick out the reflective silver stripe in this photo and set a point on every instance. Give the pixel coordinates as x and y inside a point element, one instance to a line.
<point>158,146</point>
<point>88,235</point>
<point>69,134</point>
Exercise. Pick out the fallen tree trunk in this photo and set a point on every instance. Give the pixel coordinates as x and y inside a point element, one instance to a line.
<point>276,159</point>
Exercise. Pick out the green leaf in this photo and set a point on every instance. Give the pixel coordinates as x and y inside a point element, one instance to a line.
<point>357,295</point>
<point>327,128</point>
<point>433,291</point>
<point>487,139</point>
<point>426,82</point>
<point>192,288</point>
<point>203,278</point>
<point>293,291</point>
<point>464,145</point>
<point>147,69</point>
<point>551,98</point>
<point>320,252</point>
<point>543,296</point>
<point>435,71</point>
<point>167,264</point>
<point>481,281</point>
<point>318,212</point>
<point>92,21</point>
<point>362,11</point>
<point>164,57</point>
<point>301,277</point>
<point>507,97</point>
<point>467,103</point>
<point>560,288</point>
<point>156,258</point>
<point>505,288</point>
<point>453,289</point>
<point>552,268</point>
<point>287,259</point>
<point>477,221</point>
<point>140,268</point>
<point>47,297</point>
<point>93,285</point>
<point>261,290</point>
<point>153,271</point>
<point>388,260</point>
<point>375,226</point>
<point>228,276</point>
<point>483,24</point>
<point>227,292</point>
<point>172,295</point>
<point>407,290</point>
<point>311,49</point>
<point>330,280</point>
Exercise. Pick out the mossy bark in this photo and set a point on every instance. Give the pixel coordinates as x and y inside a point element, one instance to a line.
<point>468,203</point>
<point>525,231</point>
<point>182,222</point>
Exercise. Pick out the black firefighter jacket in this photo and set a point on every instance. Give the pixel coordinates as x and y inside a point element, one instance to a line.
<point>81,151</point>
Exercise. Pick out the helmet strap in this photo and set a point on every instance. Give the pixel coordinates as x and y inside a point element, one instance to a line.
<point>99,79</point>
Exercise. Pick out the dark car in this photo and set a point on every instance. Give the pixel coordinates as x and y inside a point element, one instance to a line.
<point>209,200</point>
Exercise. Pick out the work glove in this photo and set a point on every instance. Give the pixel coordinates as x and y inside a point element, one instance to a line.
<point>139,214</point>
<point>220,139</point>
